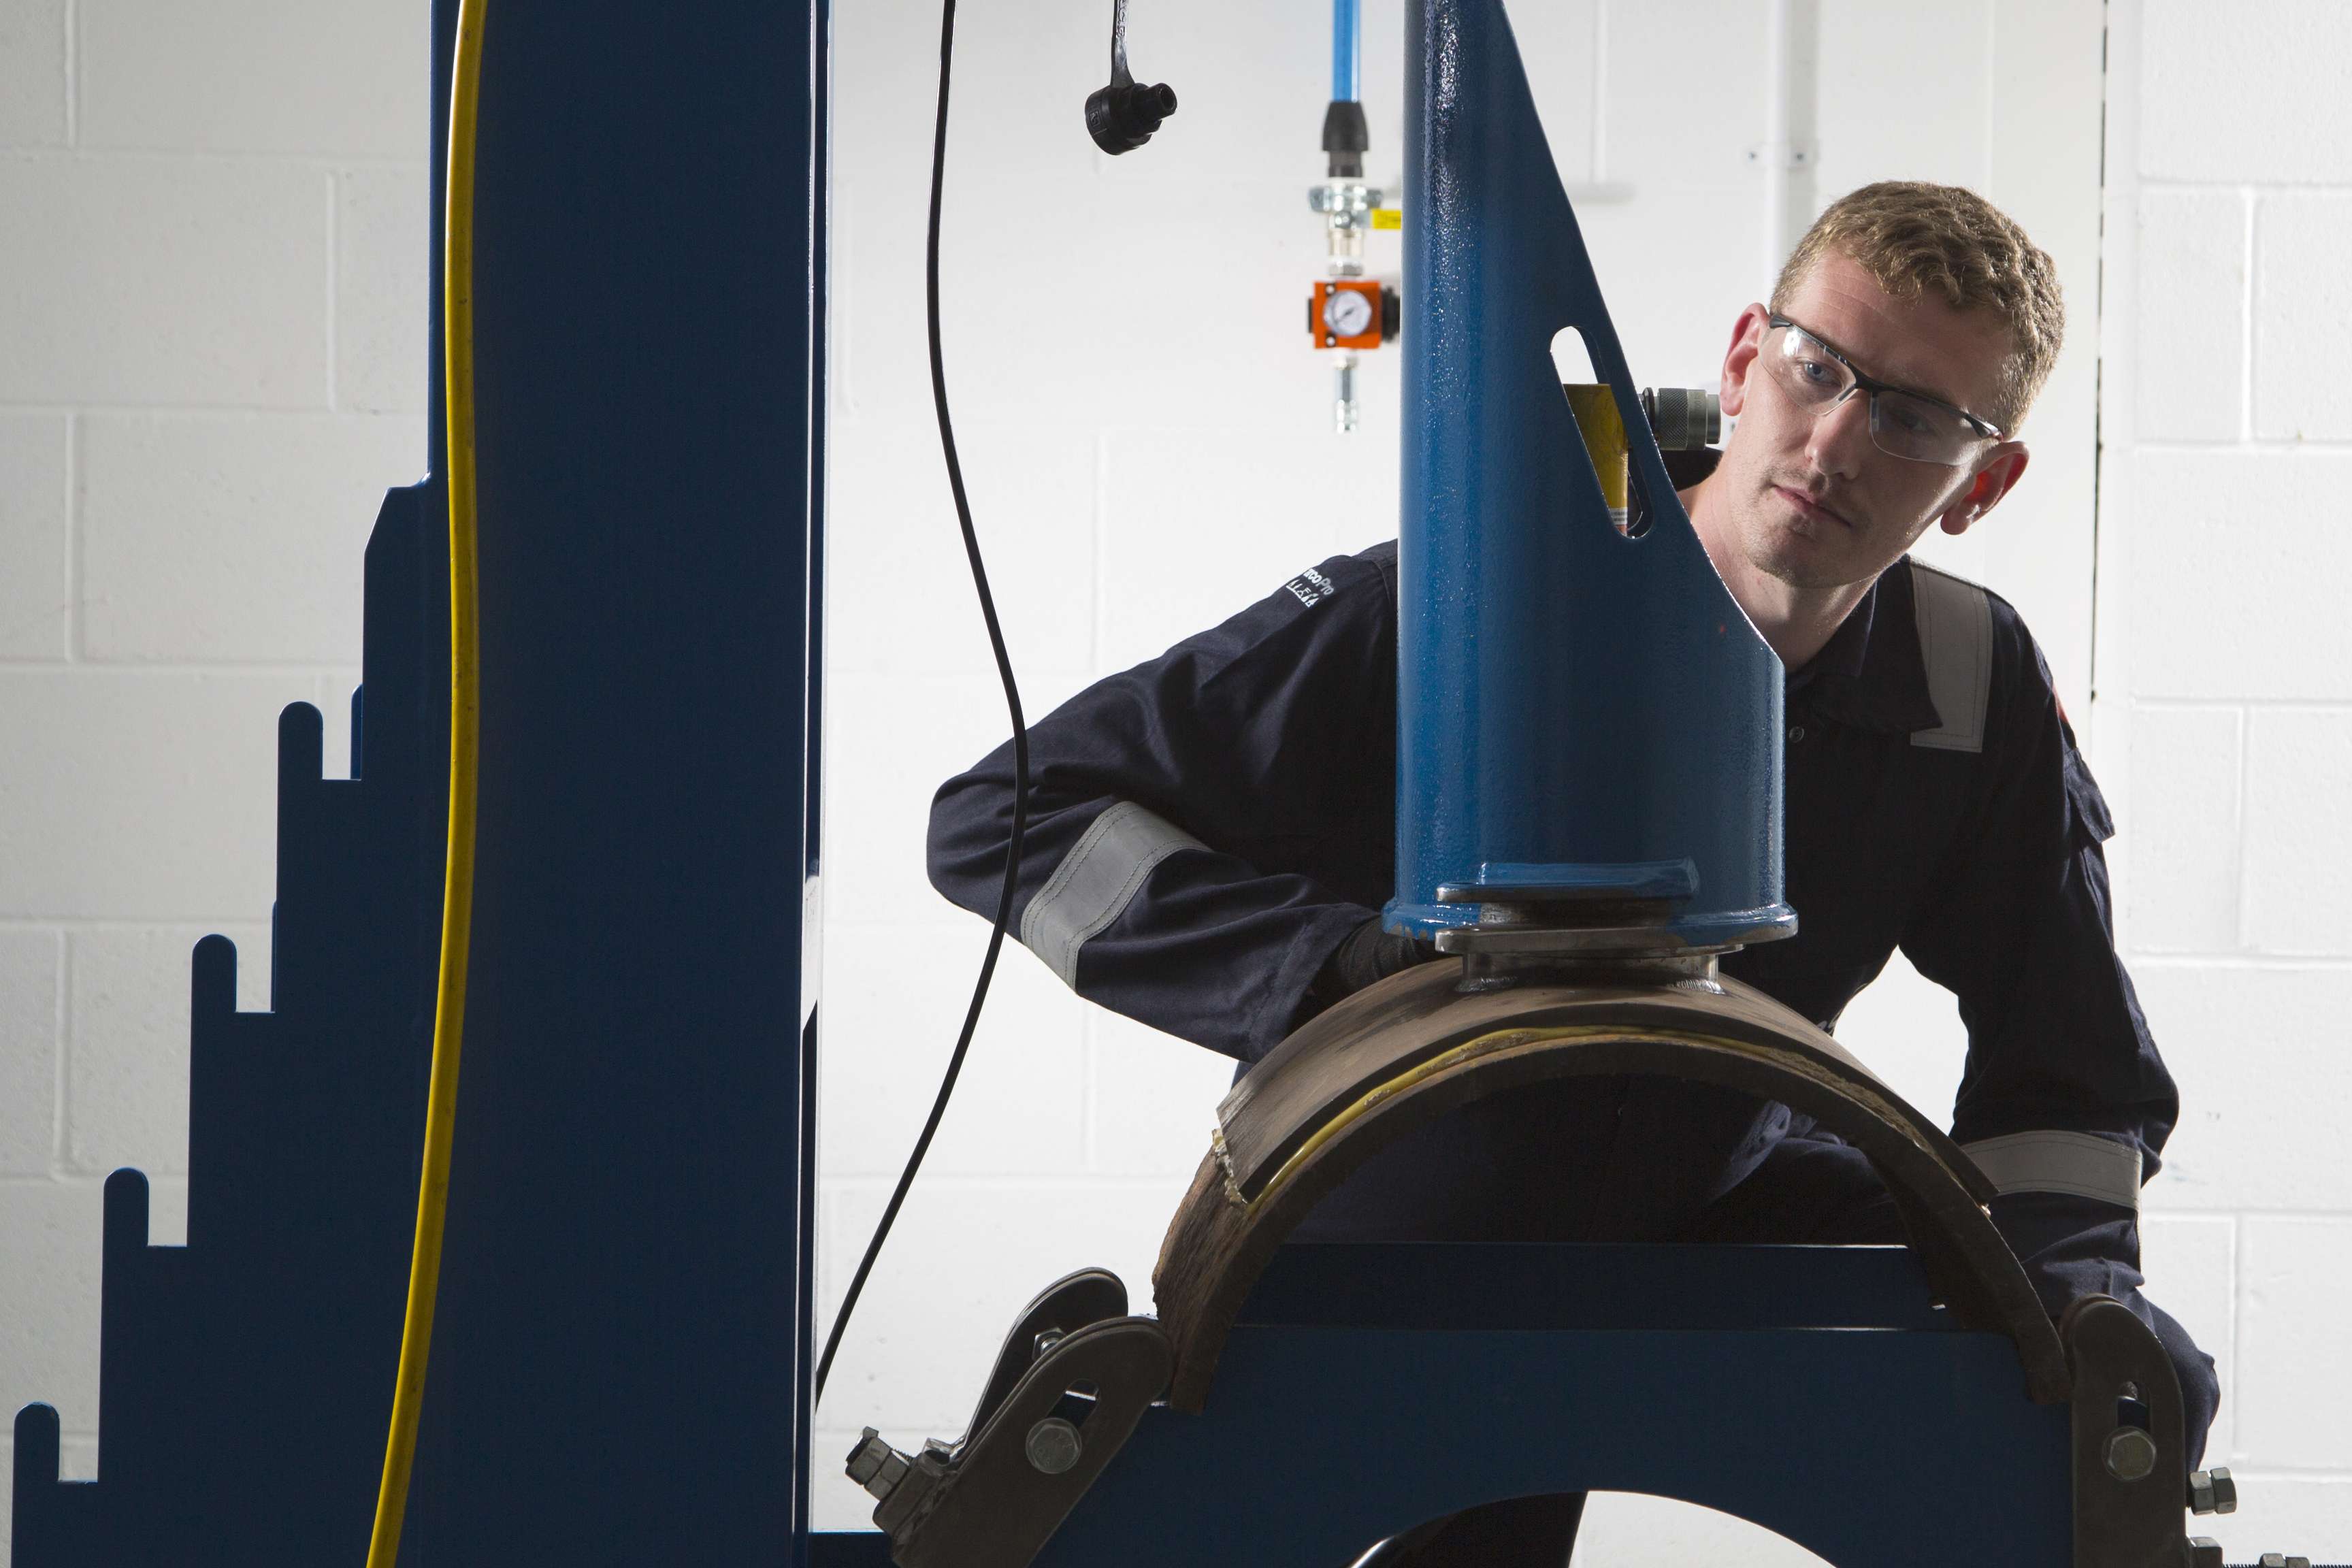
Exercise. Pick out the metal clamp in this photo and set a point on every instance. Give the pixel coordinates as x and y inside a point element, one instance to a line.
<point>2127,1430</point>
<point>1064,1399</point>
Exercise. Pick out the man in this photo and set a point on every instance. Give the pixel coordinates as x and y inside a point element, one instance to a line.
<point>1213,832</point>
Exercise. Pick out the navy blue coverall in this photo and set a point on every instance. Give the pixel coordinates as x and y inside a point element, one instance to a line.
<point>1251,772</point>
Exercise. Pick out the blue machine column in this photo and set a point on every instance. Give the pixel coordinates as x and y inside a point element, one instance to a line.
<point>620,1367</point>
<point>1589,725</point>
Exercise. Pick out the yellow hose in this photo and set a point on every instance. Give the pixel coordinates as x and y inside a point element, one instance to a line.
<point>465,735</point>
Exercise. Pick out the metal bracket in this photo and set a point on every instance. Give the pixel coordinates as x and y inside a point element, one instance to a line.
<point>2129,1456</point>
<point>1059,1405</point>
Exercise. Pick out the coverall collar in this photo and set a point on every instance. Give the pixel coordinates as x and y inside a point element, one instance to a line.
<point>1870,673</point>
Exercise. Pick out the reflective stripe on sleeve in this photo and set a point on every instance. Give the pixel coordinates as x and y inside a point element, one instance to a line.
<point>2082,1163</point>
<point>1956,644</point>
<point>1095,881</point>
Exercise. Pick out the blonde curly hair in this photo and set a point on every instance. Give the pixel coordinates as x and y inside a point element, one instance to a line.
<point>1912,236</point>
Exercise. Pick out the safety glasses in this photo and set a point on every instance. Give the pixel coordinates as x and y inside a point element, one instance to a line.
<point>1903,423</point>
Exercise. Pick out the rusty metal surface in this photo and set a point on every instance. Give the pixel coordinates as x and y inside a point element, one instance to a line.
<point>993,1506</point>
<point>1415,1046</point>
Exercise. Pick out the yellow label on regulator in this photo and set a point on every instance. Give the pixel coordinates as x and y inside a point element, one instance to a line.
<point>1388,217</point>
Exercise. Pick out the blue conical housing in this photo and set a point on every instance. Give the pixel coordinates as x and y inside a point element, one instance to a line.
<point>1577,709</point>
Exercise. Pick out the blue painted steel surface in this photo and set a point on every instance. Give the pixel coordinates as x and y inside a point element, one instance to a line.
<point>1365,1389</point>
<point>1568,698</point>
<point>1814,1390</point>
<point>1347,52</point>
<point>619,1367</point>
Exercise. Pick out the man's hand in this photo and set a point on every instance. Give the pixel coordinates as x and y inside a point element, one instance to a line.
<point>1370,953</point>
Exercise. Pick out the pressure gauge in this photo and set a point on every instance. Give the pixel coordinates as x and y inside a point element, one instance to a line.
<point>1352,313</point>
<point>1346,313</point>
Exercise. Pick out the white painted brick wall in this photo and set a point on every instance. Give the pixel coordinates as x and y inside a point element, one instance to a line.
<point>232,539</point>
<point>2223,717</point>
<point>212,346</point>
<point>2192,325</point>
<point>2297,763</point>
<point>381,239</point>
<point>32,73</point>
<point>2302,316</point>
<point>2240,95</point>
<point>2298,1274</point>
<point>37,590</point>
<point>2193,758</point>
<point>146,279</point>
<point>302,79</point>
<point>2257,1048</point>
<point>32,1016</point>
<point>211,234</point>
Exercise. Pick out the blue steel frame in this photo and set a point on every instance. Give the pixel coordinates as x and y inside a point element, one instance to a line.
<point>620,1368</point>
<point>1814,1390</point>
<point>1577,709</point>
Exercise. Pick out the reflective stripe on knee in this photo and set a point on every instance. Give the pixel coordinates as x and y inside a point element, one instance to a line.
<point>1095,881</point>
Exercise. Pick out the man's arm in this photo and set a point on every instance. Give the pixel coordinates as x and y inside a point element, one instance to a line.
<point>1207,829</point>
<point>2066,1102</point>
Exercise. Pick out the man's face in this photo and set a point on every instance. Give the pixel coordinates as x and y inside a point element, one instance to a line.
<point>1811,501</point>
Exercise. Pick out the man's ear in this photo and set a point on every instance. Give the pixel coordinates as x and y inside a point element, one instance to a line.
<point>1746,340</point>
<point>1996,475</point>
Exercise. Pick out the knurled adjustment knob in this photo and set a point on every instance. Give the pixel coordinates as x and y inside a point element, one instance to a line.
<point>2212,1491</point>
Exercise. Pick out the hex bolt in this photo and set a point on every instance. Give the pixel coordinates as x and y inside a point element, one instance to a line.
<point>2212,1491</point>
<point>1054,1446</point>
<point>2131,1454</point>
<point>876,1466</point>
<point>2204,1552</point>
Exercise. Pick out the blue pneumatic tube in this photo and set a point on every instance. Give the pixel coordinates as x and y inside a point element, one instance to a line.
<point>1347,52</point>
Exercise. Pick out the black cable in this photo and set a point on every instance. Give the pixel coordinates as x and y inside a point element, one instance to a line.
<point>1012,703</point>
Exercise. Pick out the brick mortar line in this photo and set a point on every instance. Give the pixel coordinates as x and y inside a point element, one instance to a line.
<point>2194,185</point>
<point>335,266</point>
<point>81,155</point>
<point>88,1179</point>
<point>309,669</point>
<point>73,72</point>
<point>61,1162</point>
<point>2251,446</point>
<point>992,1181</point>
<point>2243,729</point>
<point>2313,964</point>
<point>2246,1214</point>
<point>2252,305</point>
<point>192,411</point>
<point>2233,704</point>
<point>2247,202</point>
<point>73,560</point>
<point>61,1000</point>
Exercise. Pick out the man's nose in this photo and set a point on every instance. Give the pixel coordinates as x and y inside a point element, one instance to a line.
<point>1840,436</point>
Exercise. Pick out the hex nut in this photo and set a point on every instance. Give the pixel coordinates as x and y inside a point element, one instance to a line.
<point>2212,1491</point>
<point>876,1466</point>
<point>1054,1446</point>
<point>2131,1454</point>
<point>2204,1552</point>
